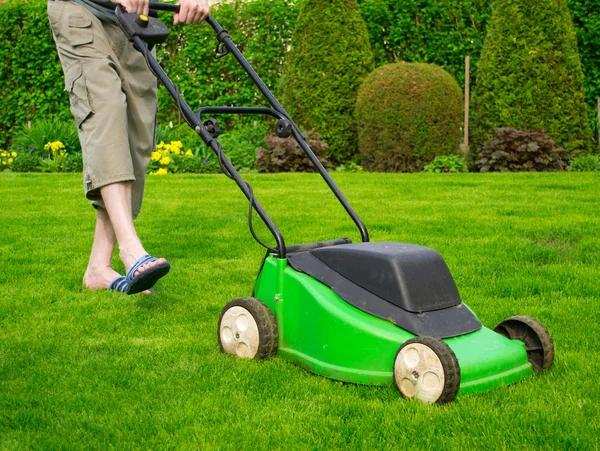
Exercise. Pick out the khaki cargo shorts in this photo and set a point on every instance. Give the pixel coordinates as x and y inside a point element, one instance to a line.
<point>113,97</point>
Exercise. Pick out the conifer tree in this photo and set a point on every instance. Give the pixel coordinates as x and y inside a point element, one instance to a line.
<point>529,75</point>
<point>329,58</point>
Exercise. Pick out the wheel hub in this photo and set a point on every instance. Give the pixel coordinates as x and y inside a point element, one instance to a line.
<point>239,333</point>
<point>419,373</point>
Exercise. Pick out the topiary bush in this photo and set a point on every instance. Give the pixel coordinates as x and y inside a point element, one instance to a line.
<point>408,113</point>
<point>529,75</point>
<point>513,150</point>
<point>329,58</point>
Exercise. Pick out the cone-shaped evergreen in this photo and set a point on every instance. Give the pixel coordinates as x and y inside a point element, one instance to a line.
<point>329,58</point>
<point>529,75</point>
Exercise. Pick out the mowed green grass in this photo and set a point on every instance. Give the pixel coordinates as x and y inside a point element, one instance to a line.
<point>100,370</point>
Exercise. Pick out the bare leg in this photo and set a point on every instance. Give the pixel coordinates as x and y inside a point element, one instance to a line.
<point>117,199</point>
<point>99,273</point>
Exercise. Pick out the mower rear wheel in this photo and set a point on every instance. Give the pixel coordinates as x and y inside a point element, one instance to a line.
<point>538,342</point>
<point>248,329</point>
<point>425,368</point>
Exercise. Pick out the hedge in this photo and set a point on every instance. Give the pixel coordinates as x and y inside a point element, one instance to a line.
<point>31,79</point>
<point>529,76</point>
<point>435,31</point>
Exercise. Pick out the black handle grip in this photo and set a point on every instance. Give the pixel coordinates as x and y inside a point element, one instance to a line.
<point>164,7</point>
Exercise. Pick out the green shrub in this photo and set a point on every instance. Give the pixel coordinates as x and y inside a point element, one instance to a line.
<point>240,145</point>
<point>285,155</point>
<point>329,58</point>
<point>73,162</point>
<point>447,164</point>
<point>589,163</point>
<point>529,75</point>
<point>408,113</point>
<point>44,131</point>
<point>513,150</point>
<point>25,161</point>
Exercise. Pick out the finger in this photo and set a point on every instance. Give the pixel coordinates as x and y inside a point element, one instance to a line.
<point>183,13</point>
<point>196,14</point>
<point>175,18</point>
<point>205,11</point>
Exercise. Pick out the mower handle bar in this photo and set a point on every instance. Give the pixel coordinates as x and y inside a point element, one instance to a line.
<point>193,120</point>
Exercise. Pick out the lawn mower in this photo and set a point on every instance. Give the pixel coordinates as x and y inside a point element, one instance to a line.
<point>368,313</point>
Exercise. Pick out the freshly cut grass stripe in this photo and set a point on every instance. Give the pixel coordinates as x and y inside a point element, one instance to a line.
<point>83,370</point>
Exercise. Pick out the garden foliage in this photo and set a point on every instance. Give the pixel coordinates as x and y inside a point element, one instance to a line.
<point>435,31</point>
<point>529,75</point>
<point>408,113</point>
<point>586,18</point>
<point>329,58</point>
<point>589,163</point>
<point>440,32</point>
<point>285,155</point>
<point>513,150</point>
<point>31,78</point>
<point>445,164</point>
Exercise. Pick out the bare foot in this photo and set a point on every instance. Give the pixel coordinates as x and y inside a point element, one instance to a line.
<point>99,278</point>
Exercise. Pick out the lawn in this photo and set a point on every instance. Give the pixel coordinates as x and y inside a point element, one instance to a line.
<point>99,370</point>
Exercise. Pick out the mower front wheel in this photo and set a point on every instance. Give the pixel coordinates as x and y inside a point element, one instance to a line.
<point>248,329</point>
<point>425,368</point>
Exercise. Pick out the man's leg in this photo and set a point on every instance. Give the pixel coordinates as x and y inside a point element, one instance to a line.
<point>99,273</point>
<point>117,199</point>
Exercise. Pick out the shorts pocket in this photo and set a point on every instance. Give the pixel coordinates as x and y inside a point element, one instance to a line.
<point>80,30</point>
<point>76,86</point>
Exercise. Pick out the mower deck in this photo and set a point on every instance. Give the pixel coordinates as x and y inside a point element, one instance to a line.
<point>324,334</point>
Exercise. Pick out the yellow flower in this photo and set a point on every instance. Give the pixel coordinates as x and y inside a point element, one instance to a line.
<point>3,154</point>
<point>161,171</point>
<point>13,154</point>
<point>189,153</point>
<point>165,161</point>
<point>10,160</point>
<point>3,162</point>
<point>155,156</point>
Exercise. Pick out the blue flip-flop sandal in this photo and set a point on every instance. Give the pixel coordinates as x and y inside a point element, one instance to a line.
<point>119,284</point>
<point>147,278</point>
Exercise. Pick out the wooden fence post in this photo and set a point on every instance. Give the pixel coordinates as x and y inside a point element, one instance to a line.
<point>467,99</point>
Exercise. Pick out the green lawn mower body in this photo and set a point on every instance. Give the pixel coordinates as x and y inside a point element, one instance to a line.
<point>327,335</point>
<point>366,313</point>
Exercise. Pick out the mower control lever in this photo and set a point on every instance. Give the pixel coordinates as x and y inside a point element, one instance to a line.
<point>149,29</point>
